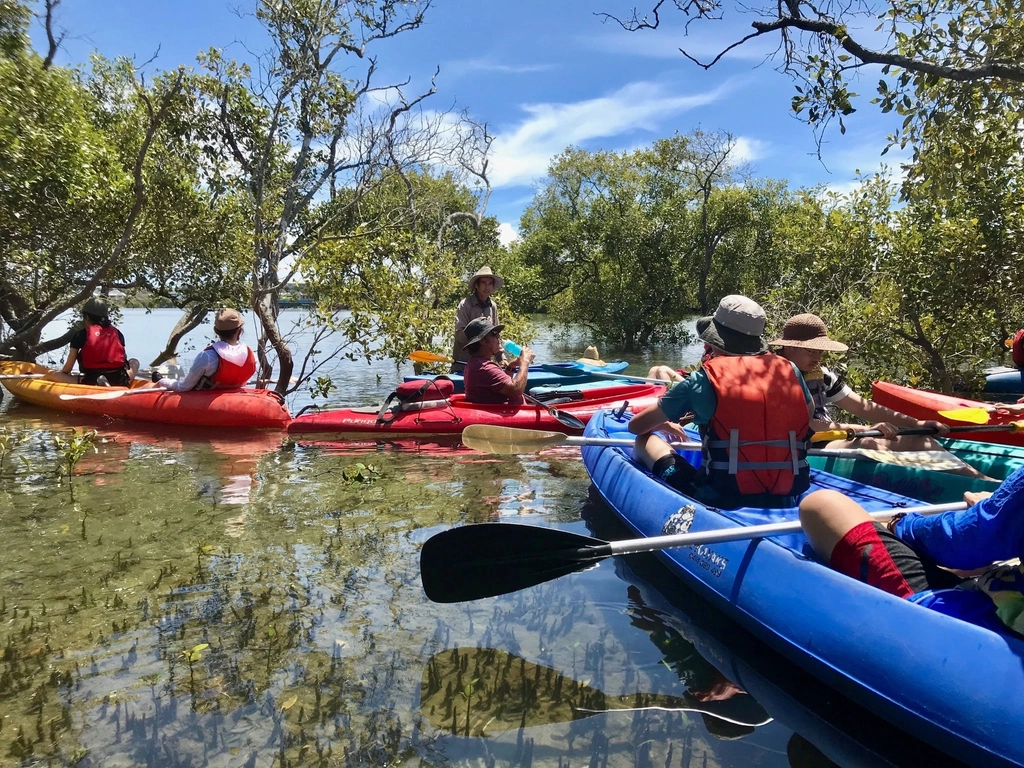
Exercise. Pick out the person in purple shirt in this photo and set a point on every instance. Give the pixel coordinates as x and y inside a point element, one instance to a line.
<point>485,380</point>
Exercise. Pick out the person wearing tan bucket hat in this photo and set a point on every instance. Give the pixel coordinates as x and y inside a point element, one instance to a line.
<point>99,350</point>
<point>753,411</point>
<point>225,364</point>
<point>479,303</point>
<point>592,358</point>
<point>803,341</point>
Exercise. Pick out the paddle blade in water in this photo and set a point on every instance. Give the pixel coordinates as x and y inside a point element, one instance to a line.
<point>477,561</point>
<point>494,439</point>
<point>972,415</point>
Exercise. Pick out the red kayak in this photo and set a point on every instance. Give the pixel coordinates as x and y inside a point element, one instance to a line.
<point>925,405</point>
<point>451,415</point>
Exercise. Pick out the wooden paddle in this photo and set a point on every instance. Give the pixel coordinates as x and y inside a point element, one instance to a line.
<point>476,561</point>
<point>509,440</point>
<point>850,434</point>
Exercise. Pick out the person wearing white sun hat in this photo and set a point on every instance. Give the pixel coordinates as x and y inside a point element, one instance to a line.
<point>479,303</point>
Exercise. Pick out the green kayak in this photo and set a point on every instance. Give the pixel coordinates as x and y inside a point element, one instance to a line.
<point>996,461</point>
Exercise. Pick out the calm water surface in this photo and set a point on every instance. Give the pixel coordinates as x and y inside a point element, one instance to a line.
<point>188,598</point>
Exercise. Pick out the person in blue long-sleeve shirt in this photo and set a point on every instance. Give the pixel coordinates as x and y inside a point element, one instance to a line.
<point>927,558</point>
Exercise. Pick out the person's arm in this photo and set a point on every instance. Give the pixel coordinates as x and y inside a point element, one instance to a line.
<point>648,420</point>
<point>883,418</point>
<point>517,385</point>
<point>205,364</point>
<point>69,364</point>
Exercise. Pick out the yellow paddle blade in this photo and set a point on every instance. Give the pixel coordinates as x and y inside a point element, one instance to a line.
<point>422,356</point>
<point>1008,343</point>
<point>971,415</point>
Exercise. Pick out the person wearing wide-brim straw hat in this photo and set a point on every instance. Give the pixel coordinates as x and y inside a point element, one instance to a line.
<point>479,303</point>
<point>485,380</point>
<point>753,411</point>
<point>99,350</point>
<point>592,358</point>
<point>225,364</point>
<point>803,341</point>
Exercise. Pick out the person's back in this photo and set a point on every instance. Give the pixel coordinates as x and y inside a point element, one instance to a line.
<point>225,364</point>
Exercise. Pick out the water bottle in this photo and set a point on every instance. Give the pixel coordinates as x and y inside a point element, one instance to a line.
<point>511,348</point>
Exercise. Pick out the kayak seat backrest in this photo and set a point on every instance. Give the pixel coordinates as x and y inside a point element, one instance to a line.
<point>440,388</point>
<point>416,395</point>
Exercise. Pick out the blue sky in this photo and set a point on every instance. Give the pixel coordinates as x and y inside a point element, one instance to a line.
<point>544,74</point>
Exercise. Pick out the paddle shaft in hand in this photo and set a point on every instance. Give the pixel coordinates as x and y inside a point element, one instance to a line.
<point>488,559</point>
<point>850,434</point>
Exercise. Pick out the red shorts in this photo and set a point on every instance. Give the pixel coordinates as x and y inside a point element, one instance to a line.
<point>863,555</point>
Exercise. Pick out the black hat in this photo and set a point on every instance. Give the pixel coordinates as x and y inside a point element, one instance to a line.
<point>477,329</point>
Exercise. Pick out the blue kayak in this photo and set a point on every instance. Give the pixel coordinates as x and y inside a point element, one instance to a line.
<point>539,377</point>
<point>947,682</point>
<point>1004,381</point>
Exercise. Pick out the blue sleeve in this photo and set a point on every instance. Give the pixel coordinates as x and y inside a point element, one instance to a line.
<point>992,529</point>
<point>695,395</point>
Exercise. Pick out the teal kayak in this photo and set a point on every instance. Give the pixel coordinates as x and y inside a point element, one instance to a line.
<point>996,461</point>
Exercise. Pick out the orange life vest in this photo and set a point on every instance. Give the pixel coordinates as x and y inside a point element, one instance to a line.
<point>757,440</point>
<point>231,375</point>
<point>103,350</point>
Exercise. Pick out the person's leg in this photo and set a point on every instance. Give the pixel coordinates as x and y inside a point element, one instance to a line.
<point>658,456</point>
<point>843,535</point>
<point>61,377</point>
<point>989,530</point>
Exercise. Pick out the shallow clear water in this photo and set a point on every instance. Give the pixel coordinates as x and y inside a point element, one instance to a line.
<point>187,597</point>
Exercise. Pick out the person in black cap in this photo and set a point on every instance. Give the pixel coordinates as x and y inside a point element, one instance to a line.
<point>479,303</point>
<point>485,380</point>
<point>98,348</point>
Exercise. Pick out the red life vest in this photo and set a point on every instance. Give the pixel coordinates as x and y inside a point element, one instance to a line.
<point>103,350</point>
<point>757,440</point>
<point>231,375</point>
<point>1018,349</point>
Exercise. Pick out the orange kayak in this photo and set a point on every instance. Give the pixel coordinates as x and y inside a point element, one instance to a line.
<point>925,405</point>
<point>228,408</point>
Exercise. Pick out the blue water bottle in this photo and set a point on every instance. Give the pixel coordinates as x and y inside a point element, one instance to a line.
<point>511,348</point>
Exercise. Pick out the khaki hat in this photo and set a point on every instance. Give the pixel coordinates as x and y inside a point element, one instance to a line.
<point>228,320</point>
<point>808,332</point>
<point>736,327</point>
<point>478,328</point>
<point>96,306</point>
<point>485,271</point>
<point>591,357</point>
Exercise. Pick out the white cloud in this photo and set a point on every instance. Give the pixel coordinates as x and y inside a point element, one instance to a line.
<point>461,67</point>
<point>507,233</point>
<point>523,154</point>
<point>747,149</point>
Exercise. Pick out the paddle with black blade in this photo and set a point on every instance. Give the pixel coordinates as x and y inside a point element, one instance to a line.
<point>489,559</point>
